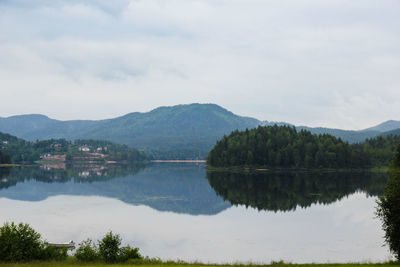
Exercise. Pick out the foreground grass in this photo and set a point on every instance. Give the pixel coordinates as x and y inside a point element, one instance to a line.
<point>74,263</point>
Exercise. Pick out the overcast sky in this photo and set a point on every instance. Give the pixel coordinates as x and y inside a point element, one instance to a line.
<point>333,63</point>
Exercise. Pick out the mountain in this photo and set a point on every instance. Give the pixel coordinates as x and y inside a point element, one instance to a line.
<point>385,126</point>
<point>183,131</point>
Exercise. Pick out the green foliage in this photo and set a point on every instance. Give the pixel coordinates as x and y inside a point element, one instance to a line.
<point>54,253</point>
<point>396,159</point>
<point>284,147</point>
<point>19,243</point>
<point>388,209</point>
<point>4,158</point>
<point>129,253</point>
<point>87,251</point>
<point>109,247</point>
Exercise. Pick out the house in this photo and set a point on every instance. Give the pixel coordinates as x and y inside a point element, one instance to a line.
<point>99,149</point>
<point>84,174</point>
<point>5,142</point>
<point>45,156</point>
<point>84,148</point>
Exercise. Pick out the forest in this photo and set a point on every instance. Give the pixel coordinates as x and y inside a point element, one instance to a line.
<point>285,147</point>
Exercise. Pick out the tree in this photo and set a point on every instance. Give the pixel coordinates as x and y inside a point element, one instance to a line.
<point>19,243</point>
<point>109,247</point>
<point>388,209</point>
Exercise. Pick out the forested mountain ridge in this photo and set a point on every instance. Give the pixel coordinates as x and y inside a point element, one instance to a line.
<point>177,132</point>
<point>285,147</point>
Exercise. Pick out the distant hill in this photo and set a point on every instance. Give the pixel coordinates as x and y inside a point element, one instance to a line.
<point>177,132</point>
<point>385,126</point>
<point>346,135</point>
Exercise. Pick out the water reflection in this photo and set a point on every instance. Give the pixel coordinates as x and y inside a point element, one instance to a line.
<point>180,188</point>
<point>54,174</point>
<point>285,191</point>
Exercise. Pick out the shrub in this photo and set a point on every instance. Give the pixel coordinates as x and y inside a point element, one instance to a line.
<point>129,253</point>
<point>87,251</point>
<point>19,243</point>
<point>109,247</point>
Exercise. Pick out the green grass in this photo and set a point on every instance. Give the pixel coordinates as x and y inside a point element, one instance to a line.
<point>158,263</point>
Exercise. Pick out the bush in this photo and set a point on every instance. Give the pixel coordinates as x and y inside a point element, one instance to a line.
<point>54,253</point>
<point>109,247</point>
<point>19,243</point>
<point>129,253</point>
<point>87,251</point>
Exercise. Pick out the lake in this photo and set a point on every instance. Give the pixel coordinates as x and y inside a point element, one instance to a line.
<point>181,211</point>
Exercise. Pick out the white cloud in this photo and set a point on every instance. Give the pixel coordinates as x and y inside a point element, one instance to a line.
<point>329,63</point>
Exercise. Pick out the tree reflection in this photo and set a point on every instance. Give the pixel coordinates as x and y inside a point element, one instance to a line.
<point>286,191</point>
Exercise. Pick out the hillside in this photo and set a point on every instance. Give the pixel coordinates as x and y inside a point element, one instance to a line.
<point>345,135</point>
<point>386,126</point>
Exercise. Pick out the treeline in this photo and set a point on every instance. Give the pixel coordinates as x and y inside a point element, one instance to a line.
<point>17,150</point>
<point>284,147</point>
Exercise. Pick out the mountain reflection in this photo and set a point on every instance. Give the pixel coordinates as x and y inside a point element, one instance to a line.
<point>180,188</point>
<point>285,191</point>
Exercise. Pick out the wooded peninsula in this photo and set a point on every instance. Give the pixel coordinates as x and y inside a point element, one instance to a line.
<point>285,147</point>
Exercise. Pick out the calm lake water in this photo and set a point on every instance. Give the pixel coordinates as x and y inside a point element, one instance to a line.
<point>179,211</point>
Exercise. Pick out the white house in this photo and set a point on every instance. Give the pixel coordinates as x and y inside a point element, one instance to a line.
<point>84,148</point>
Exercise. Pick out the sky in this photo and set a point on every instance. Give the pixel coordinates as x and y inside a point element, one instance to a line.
<point>333,63</point>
